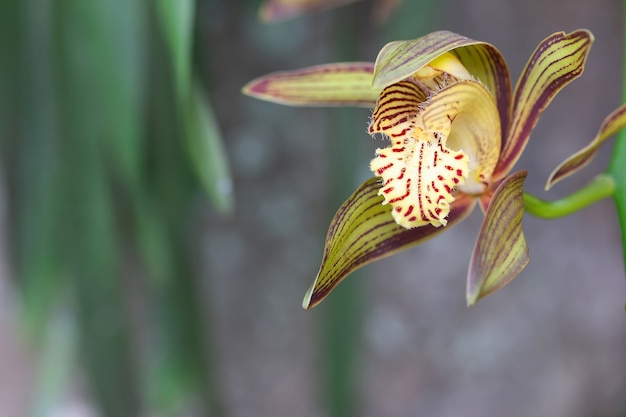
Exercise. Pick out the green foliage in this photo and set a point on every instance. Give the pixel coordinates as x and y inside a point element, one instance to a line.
<point>105,147</point>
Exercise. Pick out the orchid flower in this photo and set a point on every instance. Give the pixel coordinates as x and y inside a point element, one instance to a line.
<point>278,10</point>
<point>455,129</point>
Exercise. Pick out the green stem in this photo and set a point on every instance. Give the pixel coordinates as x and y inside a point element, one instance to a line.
<point>617,168</point>
<point>343,312</point>
<point>602,187</point>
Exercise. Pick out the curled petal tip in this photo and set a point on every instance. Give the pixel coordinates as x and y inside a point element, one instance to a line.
<point>306,302</point>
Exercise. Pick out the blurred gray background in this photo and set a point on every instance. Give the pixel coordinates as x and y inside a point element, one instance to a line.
<point>552,343</point>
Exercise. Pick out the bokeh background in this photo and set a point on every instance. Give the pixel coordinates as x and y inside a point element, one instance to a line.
<point>129,286</point>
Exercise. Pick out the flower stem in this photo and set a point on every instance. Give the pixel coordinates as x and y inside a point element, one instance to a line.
<point>617,168</point>
<point>603,186</point>
<point>344,311</point>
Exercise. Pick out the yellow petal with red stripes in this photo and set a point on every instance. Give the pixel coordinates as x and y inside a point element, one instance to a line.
<point>397,107</point>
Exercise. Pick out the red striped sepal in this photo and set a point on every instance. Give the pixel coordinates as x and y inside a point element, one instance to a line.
<point>341,84</point>
<point>558,60</point>
<point>612,124</point>
<point>363,231</point>
<point>501,252</point>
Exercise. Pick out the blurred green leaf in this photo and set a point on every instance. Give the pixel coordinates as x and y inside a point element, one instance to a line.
<point>94,71</point>
<point>118,32</point>
<point>176,19</point>
<point>9,68</point>
<point>100,291</point>
<point>56,362</point>
<point>37,178</point>
<point>206,151</point>
<point>203,140</point>
<point>182,368</point>
<point>85,174</point>
<point>152,239</point>
<point>170,380</point>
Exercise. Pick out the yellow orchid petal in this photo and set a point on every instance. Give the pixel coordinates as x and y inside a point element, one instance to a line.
<point>446,63</point>
<point>469,113</point>
<point>487,65</point>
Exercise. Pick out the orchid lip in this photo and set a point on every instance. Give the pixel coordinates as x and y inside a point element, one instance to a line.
<point>448,141</point>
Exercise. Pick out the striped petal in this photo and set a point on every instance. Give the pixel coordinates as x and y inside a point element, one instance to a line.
<point>363,231</point>
<point>278,10</point>
<point>558,60</point>
<point>401,59</point>
<point>397,107</point>
<point>612,124</point>
<point>342,84</point>
<point>500,253</point>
